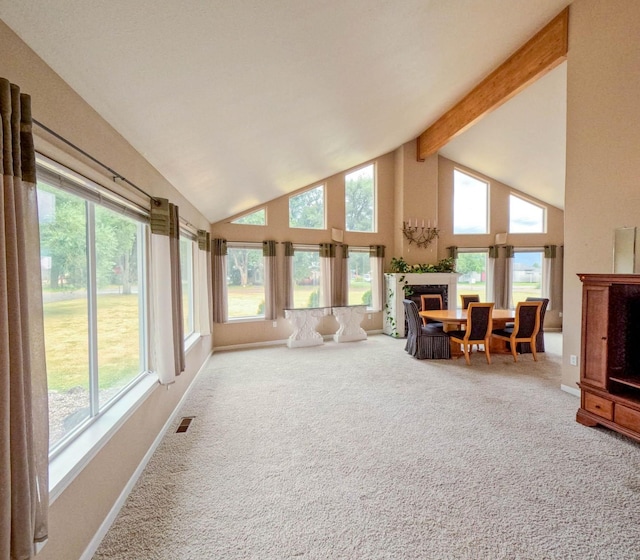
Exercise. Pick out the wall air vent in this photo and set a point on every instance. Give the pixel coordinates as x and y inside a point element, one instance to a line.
<point>184,424</point>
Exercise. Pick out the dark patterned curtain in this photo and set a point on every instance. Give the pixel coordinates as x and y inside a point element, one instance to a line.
<point>168,326</point>
<point>270,280</point>
<point>219,279</point>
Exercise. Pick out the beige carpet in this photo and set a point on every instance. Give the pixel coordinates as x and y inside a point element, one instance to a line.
<point>358,451</point>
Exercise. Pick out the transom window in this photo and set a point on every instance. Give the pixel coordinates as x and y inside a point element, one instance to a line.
<point>245,281</point>
<point>257,218</point>
<point>360,199</point>
<point>525,216</point>
<point>470,203</point>
<point>93,260</point>
<point>306,210</point>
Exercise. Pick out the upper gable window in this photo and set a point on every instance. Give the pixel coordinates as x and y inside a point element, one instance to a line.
<point>525,216</point>
<point>257,218</point>
<point>360,199</point>
<point>306,210</point>
<point>470,197</point>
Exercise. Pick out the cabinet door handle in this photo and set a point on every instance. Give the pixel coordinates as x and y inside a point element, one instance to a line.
<point>604,338</point>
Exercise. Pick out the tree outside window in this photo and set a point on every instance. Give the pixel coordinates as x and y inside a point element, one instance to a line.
<point>359,187</point>
<point>93,292</point>
<point>306,210</point>
<point>359,277</point>
<point>245,281</point>
<point>472,267</point>
<point>306,278</point>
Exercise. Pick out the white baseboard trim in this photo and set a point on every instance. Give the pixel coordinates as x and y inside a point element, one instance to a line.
<point>248,345</point>
<point>571,390</point>
<point>122,498</point>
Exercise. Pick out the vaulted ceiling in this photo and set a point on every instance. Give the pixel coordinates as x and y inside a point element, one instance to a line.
<point>238,102</point>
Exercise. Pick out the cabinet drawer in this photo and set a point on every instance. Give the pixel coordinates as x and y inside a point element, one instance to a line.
<point>627,417</point>
<point>598,405</point>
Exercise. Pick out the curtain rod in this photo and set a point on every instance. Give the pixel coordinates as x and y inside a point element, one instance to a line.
<point>115,174</point>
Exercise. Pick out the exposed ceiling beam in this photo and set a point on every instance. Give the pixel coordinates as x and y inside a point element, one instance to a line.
<point>542,53</point>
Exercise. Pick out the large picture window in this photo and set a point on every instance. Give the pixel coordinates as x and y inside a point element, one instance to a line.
<point>93,260</point>
<point>245,281</point>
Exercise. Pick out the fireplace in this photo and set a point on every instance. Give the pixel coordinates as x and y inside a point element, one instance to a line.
<point>443,283</point>
<point>419,289</point>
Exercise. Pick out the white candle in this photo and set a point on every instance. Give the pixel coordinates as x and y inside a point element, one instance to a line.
<point>423,224</point>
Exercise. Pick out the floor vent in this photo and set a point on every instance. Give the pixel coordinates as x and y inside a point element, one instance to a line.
<point>184,424</point>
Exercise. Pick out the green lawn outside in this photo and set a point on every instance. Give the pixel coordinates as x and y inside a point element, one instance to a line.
<point>66,341</point>
<point>247,301</point>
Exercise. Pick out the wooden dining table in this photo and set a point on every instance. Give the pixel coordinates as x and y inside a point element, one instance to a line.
<point>456,319</point>
<point>451,317</point>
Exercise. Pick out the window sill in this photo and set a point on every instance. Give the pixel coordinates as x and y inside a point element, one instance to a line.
<point>190,341</point>
<point>246,320</point>
<point>76,456</point>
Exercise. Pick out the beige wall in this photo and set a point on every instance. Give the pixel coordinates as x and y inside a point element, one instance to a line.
<point>80,510</point>
<point>416,198</point>
<point>603,137</point>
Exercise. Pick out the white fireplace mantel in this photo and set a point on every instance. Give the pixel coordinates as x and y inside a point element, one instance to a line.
<point>394,294</point>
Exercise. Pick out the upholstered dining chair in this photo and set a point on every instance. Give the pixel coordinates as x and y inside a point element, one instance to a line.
<point>430,302</point>
<point>525,347</point>
<point>478,330</point>
<point>423,343</point>
<point>468,298</point>
<point>525,328</point>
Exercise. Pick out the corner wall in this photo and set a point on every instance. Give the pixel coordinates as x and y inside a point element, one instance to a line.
<point>603,137</point>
